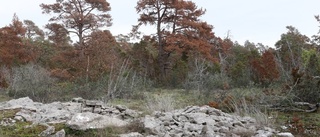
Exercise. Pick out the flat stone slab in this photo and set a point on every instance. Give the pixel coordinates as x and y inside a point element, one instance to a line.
<point>88,120</point>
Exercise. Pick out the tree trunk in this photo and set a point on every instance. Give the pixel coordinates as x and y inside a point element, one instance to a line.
<point>160,48</point>
<point>87,70</point>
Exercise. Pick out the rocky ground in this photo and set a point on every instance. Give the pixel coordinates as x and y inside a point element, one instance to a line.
<point>80,114</point>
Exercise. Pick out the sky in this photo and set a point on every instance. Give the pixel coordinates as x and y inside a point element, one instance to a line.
<point>259,21</point>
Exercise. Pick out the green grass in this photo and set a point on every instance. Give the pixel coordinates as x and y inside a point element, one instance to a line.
<point>21,129</point>
<point>4,97</point>
<point>8,113</point>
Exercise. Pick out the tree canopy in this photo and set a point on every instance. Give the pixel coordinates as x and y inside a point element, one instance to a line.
<point>81,17</point>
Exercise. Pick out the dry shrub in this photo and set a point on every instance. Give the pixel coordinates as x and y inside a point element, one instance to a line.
<point>213,104</point>
<point>202,77</point>
<point>122,83</point>
<point>160,102</point>
<point>31,80</point>
<point>61,74</point>
<point>227,103</point>
<point>242,108</point>
<point>243,105</point>
<point>297,125</point>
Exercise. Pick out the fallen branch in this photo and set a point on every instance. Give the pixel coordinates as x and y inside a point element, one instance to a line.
<point>298,107</point>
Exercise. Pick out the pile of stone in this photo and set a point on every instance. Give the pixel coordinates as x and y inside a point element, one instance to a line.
<point>195,121</point>
<point>81,114</point>
<point>78,114</point>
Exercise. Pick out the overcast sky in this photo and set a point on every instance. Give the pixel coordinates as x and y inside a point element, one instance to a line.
<point>259,21</point>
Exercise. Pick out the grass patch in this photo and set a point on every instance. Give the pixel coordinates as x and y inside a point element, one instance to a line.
<point>10,113</point>
<point>130,103</point>
<point>310,123</point>
<point>21,129</point>
<point>4,97</point>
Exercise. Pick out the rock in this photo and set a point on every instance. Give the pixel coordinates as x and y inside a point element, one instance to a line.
<point>88,120</point>
<point>93,103</point>
<point>205,131</point>
<point>193,127</point>
<point>238,130</point>
<point>131,113</point>
<point>151,125</point>
<point>133,134</point>
<point>263,133</point>
<point>78,100</point>
<point>25,103</point>
<point>58,113</point>
<point>7,122</point>
<point>247,120</point>
<point>285,134</point>
<point>19,118</point>
<point>48,113</point>
<point>26,115</point>
<point>72,107</point>
<point>50,130</point>
<point>120,108</point>
<point>60,133</point>
<point>182,118</point>
<point>97,110</point>
<point>198,118</point>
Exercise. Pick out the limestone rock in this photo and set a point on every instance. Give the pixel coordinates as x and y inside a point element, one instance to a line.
<point>285,134</point>
<point>50,130</point>
<point>78,100</point>
<point>88,120</point>
<point>151,125</point>
<point>133,134</point>
<point>60,133</point>
<point>7,122</point>
<point>25,102</point>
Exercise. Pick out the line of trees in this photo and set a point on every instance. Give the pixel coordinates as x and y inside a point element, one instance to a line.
<point>168,57</point>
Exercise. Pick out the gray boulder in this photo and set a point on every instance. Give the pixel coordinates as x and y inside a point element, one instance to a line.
<point>88,120</point>
<point>285,134</point>
<point>25,102</point>
<point>152,125</point>
<point>133,134</point>
<point>50,130</point>
<point>48,113</point>
<point>60,133</point>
